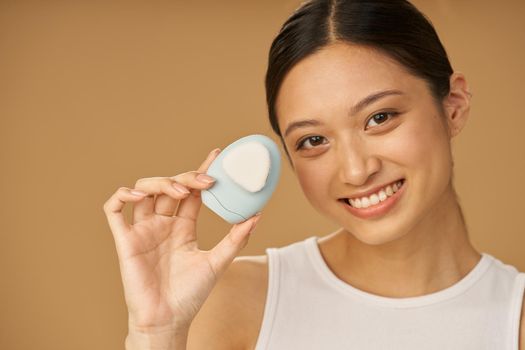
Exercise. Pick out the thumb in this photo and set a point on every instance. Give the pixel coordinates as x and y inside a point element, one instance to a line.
<point>227,249</point>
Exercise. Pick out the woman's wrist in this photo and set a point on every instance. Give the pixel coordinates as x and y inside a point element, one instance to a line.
<point>172,339</point>
<point>156,338</point>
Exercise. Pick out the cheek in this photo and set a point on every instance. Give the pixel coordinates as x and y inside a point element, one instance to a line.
<point>314,180</point>
<point>423,150</point>
<point>415,144</point>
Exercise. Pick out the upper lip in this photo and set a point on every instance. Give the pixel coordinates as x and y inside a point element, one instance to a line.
<point>372,190</point>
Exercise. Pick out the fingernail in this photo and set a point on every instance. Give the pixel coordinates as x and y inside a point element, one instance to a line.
<point>205,178</point>
<point>138,193</point>
<point>180,188</point>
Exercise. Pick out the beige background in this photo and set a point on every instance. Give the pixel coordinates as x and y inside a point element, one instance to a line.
<point>96,94</point>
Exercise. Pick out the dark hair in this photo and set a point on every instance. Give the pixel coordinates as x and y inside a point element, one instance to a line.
<point>393,27</point>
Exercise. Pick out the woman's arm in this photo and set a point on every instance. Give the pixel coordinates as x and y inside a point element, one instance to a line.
<point>221,323</point>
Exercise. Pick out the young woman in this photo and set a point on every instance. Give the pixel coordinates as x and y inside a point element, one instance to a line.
<point>365,102</point>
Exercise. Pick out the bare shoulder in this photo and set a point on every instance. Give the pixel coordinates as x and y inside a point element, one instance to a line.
<point>522,326</point>
<point>236,303</point>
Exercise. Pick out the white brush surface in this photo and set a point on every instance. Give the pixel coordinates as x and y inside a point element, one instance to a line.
<point>248,165</point>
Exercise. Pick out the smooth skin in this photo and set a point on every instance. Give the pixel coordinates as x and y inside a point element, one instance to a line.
<point>421,245</point>
<point>422,240</point>
<point>166,277</point>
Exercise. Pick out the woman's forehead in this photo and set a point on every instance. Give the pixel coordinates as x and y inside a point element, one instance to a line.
<point>344,66</point>
<point>342,73</point>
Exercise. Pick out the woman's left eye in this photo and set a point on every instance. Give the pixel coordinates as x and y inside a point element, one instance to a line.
<point>381,117</point>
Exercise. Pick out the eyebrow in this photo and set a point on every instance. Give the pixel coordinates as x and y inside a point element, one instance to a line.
<point>354,110</point>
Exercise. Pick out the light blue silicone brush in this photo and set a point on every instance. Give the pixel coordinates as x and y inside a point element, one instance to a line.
<point>246,173</point>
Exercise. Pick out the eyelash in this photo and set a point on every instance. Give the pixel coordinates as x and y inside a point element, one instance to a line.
<point>300,144</point>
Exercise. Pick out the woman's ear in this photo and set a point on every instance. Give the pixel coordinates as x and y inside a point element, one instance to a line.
<point>457,104</point>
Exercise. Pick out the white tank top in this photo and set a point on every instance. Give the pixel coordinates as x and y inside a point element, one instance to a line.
<point>309,307</point>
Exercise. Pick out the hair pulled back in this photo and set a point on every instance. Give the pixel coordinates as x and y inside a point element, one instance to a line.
<point>395,28</point>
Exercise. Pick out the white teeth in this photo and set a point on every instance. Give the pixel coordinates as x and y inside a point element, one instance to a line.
<point>375,198</point>
<point>356,203</point>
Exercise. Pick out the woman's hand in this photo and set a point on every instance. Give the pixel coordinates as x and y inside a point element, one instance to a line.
<point>166,277</point>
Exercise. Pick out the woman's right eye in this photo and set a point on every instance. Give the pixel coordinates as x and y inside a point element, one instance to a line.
<point>300,144</point>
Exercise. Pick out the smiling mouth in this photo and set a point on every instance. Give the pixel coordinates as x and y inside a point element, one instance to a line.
<point>376,198</point>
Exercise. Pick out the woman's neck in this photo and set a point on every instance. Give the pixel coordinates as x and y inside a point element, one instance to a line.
<point>434,255</point>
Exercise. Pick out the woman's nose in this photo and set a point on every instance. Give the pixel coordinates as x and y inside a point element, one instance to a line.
<point>356,163</point>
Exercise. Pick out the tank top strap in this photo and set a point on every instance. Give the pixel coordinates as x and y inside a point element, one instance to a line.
<point>515,310</point>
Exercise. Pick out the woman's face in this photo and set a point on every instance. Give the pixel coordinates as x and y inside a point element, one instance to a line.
<point>348,151</point>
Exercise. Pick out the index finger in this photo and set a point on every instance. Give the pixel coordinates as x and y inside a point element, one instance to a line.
<point>189,207</point>
<point>211,157</point>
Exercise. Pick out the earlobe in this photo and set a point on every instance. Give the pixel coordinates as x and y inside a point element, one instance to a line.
<point>457,104</point>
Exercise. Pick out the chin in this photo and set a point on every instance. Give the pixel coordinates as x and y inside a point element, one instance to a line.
<point>376,236</point>
<point>380,239</point>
